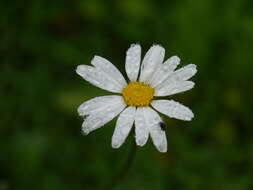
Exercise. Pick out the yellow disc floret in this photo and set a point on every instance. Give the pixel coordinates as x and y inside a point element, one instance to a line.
<point>138,94</point>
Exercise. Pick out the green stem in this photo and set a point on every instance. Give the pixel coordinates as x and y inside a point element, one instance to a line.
<point>124,170</point>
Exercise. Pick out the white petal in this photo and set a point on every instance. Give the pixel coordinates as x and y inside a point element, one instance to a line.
<point>186,72</point>
<point>94,104</point>
<point>173,88</point>
<point>157,134</point>
<point>98,78</point>
<point>173,109</point>
<point>102,115</point>
<point>152,60</point>
<point>176,82</point>
<point>164,71</point>
<point>123,126</point>
<point>141,126</point>
<point>107,67</point>
<point>133,59</point>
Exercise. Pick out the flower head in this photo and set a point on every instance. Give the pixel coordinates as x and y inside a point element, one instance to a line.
<point>137,104</point>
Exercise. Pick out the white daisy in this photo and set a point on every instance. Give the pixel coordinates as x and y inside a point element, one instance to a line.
<point>136,102</point>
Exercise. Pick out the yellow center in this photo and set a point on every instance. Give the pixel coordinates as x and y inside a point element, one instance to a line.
<point>138,94</point>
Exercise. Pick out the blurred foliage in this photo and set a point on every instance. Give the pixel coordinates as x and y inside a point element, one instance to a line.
<point>43,41</point>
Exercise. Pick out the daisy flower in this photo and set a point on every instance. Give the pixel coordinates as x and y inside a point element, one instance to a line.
<point>135,101</point>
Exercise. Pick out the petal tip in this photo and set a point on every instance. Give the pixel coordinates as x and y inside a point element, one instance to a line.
<point>82,69</point>
<point>194,67</point>
<point>95,59</point>
<point>140,143</point>
<point>156,45</point>
<point>115,145</point>
<point>78,69</point>
<point>190,116</point>
<point>135,45</point>
<point>85,131</point>
<point>162,149</point>
<point>176,59</point>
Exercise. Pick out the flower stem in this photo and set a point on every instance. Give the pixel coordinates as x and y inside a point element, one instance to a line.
<point>124,170</point>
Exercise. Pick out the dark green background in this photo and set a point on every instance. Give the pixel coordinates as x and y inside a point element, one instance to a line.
<point>42,42</point>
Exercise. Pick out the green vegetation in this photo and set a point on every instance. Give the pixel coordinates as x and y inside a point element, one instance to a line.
<point>42,42</point>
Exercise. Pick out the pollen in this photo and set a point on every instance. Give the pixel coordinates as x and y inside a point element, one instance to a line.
<point>138,94</point>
